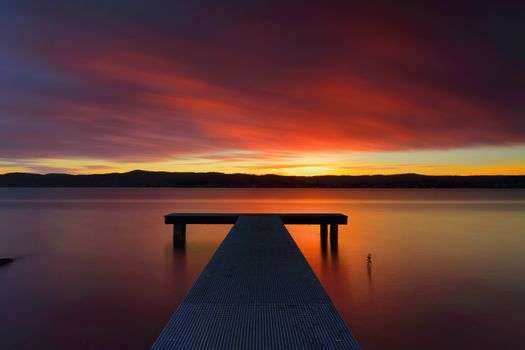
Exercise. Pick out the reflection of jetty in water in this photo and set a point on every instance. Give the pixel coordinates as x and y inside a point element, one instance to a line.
<point>369,272</point>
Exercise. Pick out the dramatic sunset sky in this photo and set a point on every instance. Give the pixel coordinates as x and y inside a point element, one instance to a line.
<point>287,87</point>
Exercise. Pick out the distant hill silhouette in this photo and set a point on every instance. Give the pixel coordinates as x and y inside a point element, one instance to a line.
<point>139,178</point>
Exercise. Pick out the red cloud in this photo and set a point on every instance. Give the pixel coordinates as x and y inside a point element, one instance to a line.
<point>372,83</point>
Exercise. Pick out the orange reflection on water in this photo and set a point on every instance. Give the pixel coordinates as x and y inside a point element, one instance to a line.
<point>446,264</point>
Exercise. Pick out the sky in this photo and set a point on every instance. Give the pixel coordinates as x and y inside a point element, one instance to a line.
<point>283,87</point>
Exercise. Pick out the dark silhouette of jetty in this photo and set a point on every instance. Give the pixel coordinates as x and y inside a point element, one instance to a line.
<point>257,291</point>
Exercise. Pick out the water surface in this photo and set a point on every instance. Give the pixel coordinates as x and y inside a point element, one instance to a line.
<point>96,268</point>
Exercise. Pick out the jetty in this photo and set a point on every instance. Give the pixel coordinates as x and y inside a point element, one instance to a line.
<point>257,291</point>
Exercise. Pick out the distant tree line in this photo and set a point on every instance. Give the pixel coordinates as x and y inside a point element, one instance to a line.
<point>140,178</point>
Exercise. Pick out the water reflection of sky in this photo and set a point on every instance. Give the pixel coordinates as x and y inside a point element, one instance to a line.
<point>97,267</point>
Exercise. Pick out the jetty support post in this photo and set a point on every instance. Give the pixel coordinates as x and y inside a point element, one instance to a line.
<point>334,234</point>
<point>324,233</point>
<point>179,233</point>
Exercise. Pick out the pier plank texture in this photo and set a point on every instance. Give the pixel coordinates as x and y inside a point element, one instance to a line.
<point>257,292</point>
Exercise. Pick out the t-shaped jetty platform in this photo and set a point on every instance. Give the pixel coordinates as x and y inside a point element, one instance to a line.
<point>257,291</point>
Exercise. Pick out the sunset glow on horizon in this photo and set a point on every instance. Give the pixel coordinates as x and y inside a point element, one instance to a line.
<point>252,87</point>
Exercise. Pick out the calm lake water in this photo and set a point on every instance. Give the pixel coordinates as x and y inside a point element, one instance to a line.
<point>96,268</point>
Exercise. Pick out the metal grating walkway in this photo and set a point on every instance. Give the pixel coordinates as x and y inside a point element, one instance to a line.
<point>257,292</point>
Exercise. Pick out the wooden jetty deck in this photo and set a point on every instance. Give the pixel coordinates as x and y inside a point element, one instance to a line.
<point>257,291</point>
